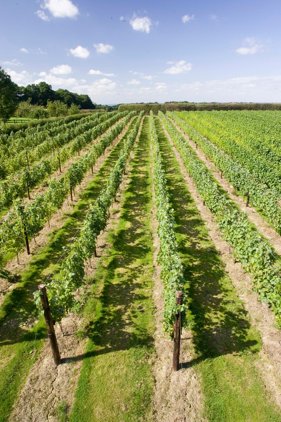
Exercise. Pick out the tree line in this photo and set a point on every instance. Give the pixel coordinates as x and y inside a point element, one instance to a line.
<point>38,100</point>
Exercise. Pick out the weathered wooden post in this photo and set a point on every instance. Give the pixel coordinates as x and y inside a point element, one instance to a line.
<point>50,323</point>
<point>177,333</point>
<point>26,239</point>
<point>247,199</point>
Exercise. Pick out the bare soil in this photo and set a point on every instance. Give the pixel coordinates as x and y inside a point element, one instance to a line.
<point>49,386</point>
<point>261,317</point>
<point>177,394</point>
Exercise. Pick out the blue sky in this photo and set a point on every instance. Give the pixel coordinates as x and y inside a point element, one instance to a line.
<point>131,51</point>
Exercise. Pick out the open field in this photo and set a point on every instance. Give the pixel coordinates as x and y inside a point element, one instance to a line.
<point>115,213</point>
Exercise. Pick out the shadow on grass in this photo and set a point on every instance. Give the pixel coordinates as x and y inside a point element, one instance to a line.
<point>220,324</point>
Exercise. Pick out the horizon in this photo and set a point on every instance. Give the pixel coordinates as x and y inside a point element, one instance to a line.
<point>149,52</point>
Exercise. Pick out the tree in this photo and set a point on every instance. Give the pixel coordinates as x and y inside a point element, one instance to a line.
<point>57,108</point>
<point>8,96</point>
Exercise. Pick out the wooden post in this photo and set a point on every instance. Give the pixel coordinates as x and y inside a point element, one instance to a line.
<point>26,239</point>
<point>177,334</point>
<point>59,162</point>
<point>71,194</point>
<point>50,323</point>
<point>247,199</point>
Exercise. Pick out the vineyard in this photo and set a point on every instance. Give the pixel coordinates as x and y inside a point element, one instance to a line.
<point>140,268</point>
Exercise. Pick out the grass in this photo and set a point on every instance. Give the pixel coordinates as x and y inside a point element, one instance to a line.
<point>116,382</point>
<point>226,346</point>
<point>18,308</point>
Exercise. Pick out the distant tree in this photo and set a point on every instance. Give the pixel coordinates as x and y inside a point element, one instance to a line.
<point>73,109</point>
<point>8,96</point>
<point>24,109</point>
<point>57,108</point>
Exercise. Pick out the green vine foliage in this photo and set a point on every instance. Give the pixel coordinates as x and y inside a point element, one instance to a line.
<point>63,290</point>
<point>168,257</point>
<point>265,200</point>
<point>249,247</point>
<point>15,186</point>
<point>45,204</point>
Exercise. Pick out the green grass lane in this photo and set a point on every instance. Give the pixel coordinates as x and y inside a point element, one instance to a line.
<point>225,345</point>
<point>20,345</point>
<point>116,382</point>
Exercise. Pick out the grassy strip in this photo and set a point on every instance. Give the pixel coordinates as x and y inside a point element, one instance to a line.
<point>225,345</point>
<point>116,381</point>
<point>16,340</point>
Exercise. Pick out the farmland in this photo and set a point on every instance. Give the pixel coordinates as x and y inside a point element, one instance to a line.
<point>116,213</point>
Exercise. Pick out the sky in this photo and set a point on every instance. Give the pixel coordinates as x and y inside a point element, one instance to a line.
<point>120,51</point>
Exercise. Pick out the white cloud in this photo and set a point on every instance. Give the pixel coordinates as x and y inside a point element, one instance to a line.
<point>103,48</point>
<point>147,77</point>
<point>42,15</point>
<point>143,24</point>
<point>59,9</point>
<point>80,52</point>
<point>63,69</point>
<point>21,78</point>
<point>133,82</point>
<point>250,47</point>
<point>178,67</point>
<point>160,86</point>
<point>103,85</point>
<point>56,81</point>
<point>24,50</point>
<point>96,72</point>
<point>187,18</point>
<point>142,75</point>
<point>13,62</point>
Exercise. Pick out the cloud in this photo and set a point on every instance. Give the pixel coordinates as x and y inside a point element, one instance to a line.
<point>58,9</point>
<point>13,62</point>
<point>96,72</point>
<point>143,24</point>
<point>103,48</point>
<point>187,18</point>
<point>160,86</point>
<point>22,77</point>
<point>42,15</point>
<point>134,82</point>
<point>178,67</point>
<point>147,77</point>
<point>63,69</point>
<point>103,85</point>
<point>56,81</point>
<point>250,47</point>
<point>24,50</point>
<point>80,52</point>
<point>142,75</point>
<point>244,89</point>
